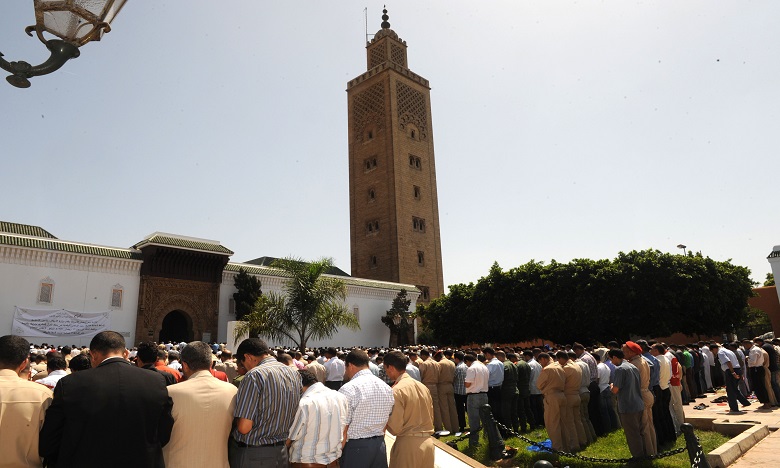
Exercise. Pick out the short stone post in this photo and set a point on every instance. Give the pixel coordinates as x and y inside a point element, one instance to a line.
<point>495,442</point>
<point>695,452</point>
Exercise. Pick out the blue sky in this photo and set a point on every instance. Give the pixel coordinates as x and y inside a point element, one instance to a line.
<point>562,129</point>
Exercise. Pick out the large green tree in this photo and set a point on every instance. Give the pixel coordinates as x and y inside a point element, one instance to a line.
<point>310,307</point>
<point>647,292</point>
<point>770,280</point>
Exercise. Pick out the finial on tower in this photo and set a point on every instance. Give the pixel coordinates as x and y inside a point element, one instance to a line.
<point>385,24</point>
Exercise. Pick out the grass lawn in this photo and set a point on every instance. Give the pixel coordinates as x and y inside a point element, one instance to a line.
<point>612,445</point>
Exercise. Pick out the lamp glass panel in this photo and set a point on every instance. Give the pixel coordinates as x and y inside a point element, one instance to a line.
<point>73,20</point>
<point>64,24</point>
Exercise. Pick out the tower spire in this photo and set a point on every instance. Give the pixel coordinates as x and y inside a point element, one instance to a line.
<point>385,24</point>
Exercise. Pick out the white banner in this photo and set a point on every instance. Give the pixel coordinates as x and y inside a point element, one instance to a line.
<point>58,323</point>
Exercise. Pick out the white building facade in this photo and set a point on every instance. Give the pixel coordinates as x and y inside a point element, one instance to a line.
<point>165,287</point>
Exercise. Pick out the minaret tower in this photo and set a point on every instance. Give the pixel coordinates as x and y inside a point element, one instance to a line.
<point>394,209</point>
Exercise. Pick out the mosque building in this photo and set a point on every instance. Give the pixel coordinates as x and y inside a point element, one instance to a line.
<point>179,288</point>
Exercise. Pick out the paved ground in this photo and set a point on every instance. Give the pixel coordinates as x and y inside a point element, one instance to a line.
<point>767,451</point>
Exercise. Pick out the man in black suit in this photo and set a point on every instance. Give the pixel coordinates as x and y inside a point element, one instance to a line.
<point>114,414</point>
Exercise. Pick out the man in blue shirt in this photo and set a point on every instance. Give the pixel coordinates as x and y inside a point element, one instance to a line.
<point>733,372</point>
<point>495,379</point>
<point>630,404</point>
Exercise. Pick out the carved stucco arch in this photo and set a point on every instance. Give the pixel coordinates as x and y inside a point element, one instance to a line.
<point>185,305</point>
<point>197,300</point>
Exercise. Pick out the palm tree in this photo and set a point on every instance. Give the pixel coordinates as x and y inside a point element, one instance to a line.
<point>311,306</point>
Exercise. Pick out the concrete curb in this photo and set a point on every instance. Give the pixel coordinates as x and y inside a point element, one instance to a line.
<point>748,435</point>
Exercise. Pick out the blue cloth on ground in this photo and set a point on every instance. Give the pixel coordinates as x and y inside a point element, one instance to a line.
<point>533,448</point>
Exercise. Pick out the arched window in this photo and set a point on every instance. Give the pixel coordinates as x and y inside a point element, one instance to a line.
<point>46,291</point>
<point>117,295</point>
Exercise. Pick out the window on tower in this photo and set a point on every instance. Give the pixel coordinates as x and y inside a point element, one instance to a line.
<point>371,194</point>
<point>420,258</point>
<point>372,261</point>
<point>424,293</point>
<point>415,162</point>
<point>413,132</point>
<point>418,224</point>
<point>372,226</point>
<point>417,193</point>
<point>369,163</point>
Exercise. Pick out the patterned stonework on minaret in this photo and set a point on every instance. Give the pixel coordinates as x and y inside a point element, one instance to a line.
<point>394,210</point>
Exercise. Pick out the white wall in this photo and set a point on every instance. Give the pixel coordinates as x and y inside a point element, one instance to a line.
<point>84,283</point>
<point>371,302</point>
<point>81,283</point>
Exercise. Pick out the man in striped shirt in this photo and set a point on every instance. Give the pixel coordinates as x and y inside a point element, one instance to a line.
<point>266,404</point>
<point>316,435</point>
<point>370,402</point>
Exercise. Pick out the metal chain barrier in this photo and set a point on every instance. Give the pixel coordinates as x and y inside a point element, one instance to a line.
<point>697,461</point>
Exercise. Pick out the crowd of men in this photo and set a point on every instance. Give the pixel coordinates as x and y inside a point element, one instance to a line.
<point>195,404</point>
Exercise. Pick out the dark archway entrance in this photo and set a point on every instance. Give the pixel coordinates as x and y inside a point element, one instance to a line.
<point>176,327</point>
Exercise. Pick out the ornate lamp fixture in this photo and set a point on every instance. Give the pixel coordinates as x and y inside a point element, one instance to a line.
<point>397,319</point>
<point>75,22</point>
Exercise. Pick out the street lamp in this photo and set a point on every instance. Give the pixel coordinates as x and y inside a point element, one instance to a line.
<point>680,246</point>
<point>397,319</point>
<point>75,22</point>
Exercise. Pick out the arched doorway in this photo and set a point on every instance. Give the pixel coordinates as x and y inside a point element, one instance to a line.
<point>176,327</point>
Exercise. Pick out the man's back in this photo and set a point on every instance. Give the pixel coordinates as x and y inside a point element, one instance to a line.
<point>446,371</point>
<point>318,370</point>
<point>115,414</point>
<point>478,375</point>
<point>523,377</point>
<point>317,430</point>
<point>552,379</point>
<point>269,396</point>
<point>572,379</point>
<point>203,415</point>
<point>510,377</point>
<point>429,372</point>
<point>413,410</point>
<point>22,407</point>
<point>370,402</point>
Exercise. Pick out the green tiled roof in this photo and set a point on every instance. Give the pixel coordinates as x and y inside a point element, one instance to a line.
<point>24,230</point>
<point>268,261</point>
<point>159,239</point>
<point>65,246</point>
<point>351,281</point>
